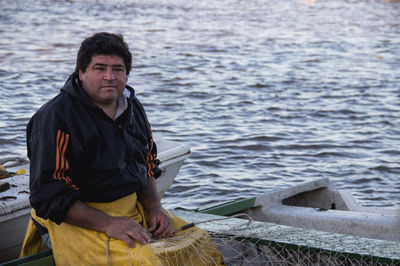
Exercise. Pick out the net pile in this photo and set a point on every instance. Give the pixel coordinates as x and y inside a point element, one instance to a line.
<point>183,247</point>
<point>257,252</point>
<point>187,247</point>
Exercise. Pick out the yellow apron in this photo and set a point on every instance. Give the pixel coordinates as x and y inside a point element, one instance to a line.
<point>74,245</point>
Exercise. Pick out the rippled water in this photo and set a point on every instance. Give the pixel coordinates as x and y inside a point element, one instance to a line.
<point>267,93</point>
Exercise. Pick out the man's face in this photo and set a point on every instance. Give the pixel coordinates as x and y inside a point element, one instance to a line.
<point>104,79</point>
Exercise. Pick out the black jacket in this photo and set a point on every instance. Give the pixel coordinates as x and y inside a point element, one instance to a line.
<point>77,152</point>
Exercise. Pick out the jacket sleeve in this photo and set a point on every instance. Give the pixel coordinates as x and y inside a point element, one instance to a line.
<point>51,187</point>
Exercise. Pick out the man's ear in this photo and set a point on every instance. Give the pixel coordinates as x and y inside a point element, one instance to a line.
<point>80,74</point>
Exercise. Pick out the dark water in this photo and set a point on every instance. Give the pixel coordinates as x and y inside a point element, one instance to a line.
<point>268,93</point>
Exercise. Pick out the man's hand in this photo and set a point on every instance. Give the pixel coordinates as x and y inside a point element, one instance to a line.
<point>126,229</point>
<point>122,228</point>
<point>160,224</point>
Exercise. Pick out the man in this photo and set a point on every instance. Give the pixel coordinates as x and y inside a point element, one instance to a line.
<point>93,161</point>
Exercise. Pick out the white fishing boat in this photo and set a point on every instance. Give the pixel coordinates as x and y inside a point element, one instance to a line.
<point>15,207</point>
<point>316,205</point>
<point>307,224</point>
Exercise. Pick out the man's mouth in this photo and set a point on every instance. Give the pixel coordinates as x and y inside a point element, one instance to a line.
<point>109,86</point>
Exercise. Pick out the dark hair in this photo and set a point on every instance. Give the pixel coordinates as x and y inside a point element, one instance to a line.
<point>103,43</point>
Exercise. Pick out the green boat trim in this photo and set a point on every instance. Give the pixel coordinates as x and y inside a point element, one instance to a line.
<point>43,258</point>
<point>229,208</point>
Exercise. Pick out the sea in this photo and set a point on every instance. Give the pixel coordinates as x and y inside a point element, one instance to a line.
<point>267,93</point>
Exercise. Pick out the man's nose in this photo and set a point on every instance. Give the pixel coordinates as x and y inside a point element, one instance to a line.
<point>109,75</point>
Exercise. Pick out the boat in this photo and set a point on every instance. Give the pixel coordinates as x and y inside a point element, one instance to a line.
<point>310,223</point>
<point>307,224</point>
<point>14,202</point>
<point>317,205</point>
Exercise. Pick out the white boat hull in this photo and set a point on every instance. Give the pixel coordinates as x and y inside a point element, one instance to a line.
<point>15,207</point>
<point>314,205</point>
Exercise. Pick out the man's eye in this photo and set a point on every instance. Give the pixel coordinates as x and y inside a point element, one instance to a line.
<point>118,69</point>
<point>99,68</point>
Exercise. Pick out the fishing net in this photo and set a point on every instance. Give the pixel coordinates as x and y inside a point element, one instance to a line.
<point>187,247</point>
<point>244,251</point>
<point>247,242</point>
<point>239,247</point>
<point>238,250</point>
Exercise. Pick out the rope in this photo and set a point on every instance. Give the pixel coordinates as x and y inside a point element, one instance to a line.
<point>108,251</point>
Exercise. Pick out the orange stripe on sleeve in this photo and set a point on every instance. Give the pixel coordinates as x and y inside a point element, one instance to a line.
<point>150,158</point>
<point>57,155</point>
<point>61,156</point>
<point>62,164</point>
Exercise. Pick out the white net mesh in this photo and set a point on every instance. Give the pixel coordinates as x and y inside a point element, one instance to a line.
<point>243,242</point>
<point>242,251</point>
<point>239,251</point>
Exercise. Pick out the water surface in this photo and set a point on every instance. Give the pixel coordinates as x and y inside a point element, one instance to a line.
<point>267,93</point>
